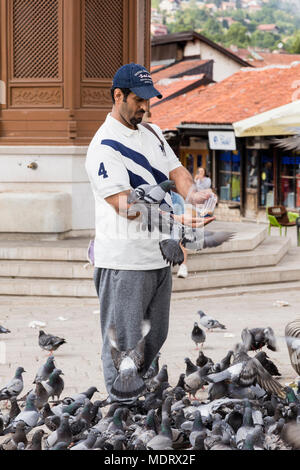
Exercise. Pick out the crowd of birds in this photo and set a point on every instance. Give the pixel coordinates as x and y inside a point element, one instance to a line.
<point>246,407</point>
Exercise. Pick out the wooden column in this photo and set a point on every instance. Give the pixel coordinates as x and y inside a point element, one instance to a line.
<point>57,60</point>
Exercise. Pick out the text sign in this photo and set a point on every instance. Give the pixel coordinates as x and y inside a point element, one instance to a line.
<point>222,140</point>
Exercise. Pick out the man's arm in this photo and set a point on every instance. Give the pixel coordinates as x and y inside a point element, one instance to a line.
<point>186,186</point>
<point>120,204</point>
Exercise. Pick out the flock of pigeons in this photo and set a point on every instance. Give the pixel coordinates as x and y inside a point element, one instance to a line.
<point>246,409</point>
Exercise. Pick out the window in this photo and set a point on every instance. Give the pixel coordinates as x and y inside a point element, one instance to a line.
<point>230,176</point>
<point>252,168</point>
<point>266,180</point>
<point>289,184</point>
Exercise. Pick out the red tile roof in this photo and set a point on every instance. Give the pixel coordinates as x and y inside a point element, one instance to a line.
<point>170,86</point>
<point>176,68</point>
<point>246,93</point>
<point>270,58</point>
<point>266,27</point>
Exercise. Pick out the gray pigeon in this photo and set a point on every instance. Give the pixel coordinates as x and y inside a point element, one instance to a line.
<point>88,443</point>
<point>293,345</point>
<point>45,370</point>
<point>62,434</point>
<point>257,338</point>
<point>178,235</point>
<point>41,395</point>
<point>55,384</point>
<point>128,383</point>
<point>247,371</point>
<point>14,387</point>
<point>18,436</point>
<point>49,342</point>
<point>198,335</point>
<point>81,397</point>
<point>29,415</point>
<point>4,330</point>
<point>36,442</point>
<point>163,440</point>
<point>196,380</point>
<point>151,194</point>
<point>209,323</point>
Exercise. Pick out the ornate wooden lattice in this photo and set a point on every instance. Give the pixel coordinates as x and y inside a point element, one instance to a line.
<point>103,25</point>
<point>35,39</point>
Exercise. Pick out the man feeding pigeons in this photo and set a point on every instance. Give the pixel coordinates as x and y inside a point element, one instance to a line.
<point>132,168</point>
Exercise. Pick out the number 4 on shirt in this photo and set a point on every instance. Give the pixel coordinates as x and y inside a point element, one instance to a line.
<point>102,171</point>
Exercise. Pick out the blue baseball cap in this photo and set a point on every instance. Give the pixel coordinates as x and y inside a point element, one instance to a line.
<point>137,79</point>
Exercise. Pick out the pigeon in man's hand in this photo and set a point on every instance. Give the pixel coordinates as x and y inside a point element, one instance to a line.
<point>4,330</point>
<point>50,342</point>
<point>198,335</point>
<point>209,323</point>
<point>128,384</point>
<point>14,387</point>
<point>150,193</point>
<point>156,214</point>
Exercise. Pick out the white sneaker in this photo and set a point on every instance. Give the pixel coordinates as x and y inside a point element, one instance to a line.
<point>182,271</point>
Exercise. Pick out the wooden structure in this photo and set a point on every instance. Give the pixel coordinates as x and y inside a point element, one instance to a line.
<point>57,60</point>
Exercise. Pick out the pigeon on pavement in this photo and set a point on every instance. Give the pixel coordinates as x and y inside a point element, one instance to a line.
<point>198,335</point>
<point>45,370</point>
<point>209,323</point>
<point>257,338</point>
<point>4,330</point>
<point>49,342</point>
<point>14,387</point>
<point>247,371</point>
<point>55,384</point>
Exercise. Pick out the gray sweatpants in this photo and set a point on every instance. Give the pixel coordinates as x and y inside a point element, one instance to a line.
<point>126,298</point>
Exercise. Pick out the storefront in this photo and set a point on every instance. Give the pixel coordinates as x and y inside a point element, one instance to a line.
<point>255,175</point>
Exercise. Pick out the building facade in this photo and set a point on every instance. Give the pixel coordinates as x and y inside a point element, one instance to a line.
<point>57,60</point>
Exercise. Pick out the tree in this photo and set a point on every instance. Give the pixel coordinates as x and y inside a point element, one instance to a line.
<point>293,45</point>
<point>237,35</point>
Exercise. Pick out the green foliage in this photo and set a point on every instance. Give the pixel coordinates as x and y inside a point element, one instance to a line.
<point>237,35</point>
<point>243,33</point>
<point>293,45</point>
<point>155,3</point>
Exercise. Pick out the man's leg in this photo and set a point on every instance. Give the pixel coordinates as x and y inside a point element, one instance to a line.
<point>158,313</point>
<point>126,298</point>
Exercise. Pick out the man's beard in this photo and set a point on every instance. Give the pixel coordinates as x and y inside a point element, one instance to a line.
<point>134,120</point>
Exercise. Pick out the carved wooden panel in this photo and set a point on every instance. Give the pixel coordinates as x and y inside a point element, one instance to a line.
<point>103,38</point>
<point>35,39</point>
<point>96,97</point>
<point>35,97</point>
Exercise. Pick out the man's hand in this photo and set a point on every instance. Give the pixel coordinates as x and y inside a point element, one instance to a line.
<point>192,221</point>
<point>199,197</point>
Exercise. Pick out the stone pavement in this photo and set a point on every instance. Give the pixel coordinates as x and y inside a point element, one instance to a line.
<point>80,357</point>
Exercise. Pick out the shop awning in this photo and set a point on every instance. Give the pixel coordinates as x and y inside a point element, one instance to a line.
<point>277,121</point>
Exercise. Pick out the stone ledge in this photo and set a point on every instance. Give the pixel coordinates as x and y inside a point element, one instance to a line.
<point>35,212</point>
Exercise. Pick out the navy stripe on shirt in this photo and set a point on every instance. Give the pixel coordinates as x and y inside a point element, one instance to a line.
<point>136,157</point>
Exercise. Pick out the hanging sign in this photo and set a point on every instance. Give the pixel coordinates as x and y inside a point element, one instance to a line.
<point>219,140</point>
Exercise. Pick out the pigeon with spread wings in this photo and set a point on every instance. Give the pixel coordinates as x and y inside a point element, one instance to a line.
<point>128,383</point>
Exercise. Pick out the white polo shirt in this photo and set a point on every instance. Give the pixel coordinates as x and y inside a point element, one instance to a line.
<point>119,159</point>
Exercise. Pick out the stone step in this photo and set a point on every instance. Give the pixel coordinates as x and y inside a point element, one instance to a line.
<point>288,269</point>
<point>267,253</point>
<point>248,236</point>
